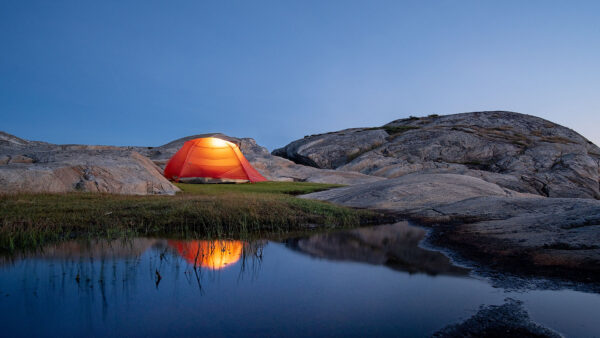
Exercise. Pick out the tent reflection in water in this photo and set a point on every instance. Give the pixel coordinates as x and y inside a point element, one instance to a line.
<point>209,254</point>
<point>210,160</point>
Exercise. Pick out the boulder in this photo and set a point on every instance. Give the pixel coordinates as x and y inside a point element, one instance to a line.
<point>516,151</point>
<point>412,191</point>
<point>42,167</point>
<point>331,150</point>
<point>507,320</point>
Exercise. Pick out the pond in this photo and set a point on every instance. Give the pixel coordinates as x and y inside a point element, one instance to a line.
<point>375,281</point>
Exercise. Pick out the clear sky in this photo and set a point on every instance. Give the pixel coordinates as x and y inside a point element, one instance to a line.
<point>147,72</point>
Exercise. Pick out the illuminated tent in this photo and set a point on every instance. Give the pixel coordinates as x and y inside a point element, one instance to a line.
<point>209,254</point>
<point>210,160</point>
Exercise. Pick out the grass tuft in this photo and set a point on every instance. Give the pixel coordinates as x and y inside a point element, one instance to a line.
<point>224,210</point>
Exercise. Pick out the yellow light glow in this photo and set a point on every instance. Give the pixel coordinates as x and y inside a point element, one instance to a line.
<point>209,254</point>
<point>217,142</point>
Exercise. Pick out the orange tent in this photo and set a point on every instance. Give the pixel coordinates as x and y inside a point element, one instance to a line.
<point>209,158</point>
<point>209,254</point>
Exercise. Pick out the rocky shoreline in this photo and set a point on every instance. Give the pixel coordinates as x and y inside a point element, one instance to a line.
<point>521,234</point>
<point>505,190</point>
<point>508,191</point>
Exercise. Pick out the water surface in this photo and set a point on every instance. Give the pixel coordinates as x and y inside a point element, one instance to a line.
<point>373,281</point>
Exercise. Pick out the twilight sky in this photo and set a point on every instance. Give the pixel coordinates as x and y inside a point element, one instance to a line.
<point>148,72</point>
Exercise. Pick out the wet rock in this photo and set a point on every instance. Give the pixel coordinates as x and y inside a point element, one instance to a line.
<point>507,320</point>
<point>542,235</point>
<point>522,232</point>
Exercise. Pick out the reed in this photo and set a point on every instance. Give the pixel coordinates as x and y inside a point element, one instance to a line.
<point>216,211</point>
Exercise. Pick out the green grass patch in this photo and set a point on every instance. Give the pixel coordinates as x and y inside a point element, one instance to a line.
<point>215,211</point>
<point>291,188</point>
<point>395,130</point>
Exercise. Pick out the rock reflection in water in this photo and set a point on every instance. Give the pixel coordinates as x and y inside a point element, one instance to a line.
<point>95,249</point>
<point>86,261</point>
<point>395,246</point>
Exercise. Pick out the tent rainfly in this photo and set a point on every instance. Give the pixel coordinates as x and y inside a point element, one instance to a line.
<point>210,160</point>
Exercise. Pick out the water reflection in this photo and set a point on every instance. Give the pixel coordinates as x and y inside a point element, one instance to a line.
<point>227,288</point>
<point>209,254</point>
<point>96,249</point>
<point>395,246</point>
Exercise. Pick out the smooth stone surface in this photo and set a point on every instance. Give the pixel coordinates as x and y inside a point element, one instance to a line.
<point>331,150</point>
<point>516,151</point>
<point>42,167</point>
<point>413,191</point>
<point>485,221</point>
<point>546,233</point>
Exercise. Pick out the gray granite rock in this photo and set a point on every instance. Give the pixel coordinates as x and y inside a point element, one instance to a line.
<point>546,233</point>
<point>32,166</point>
<point>412,191</point>
<point>495,223</point>
<point>516,151</point>
<point>331,150</point>
<point>42,167</point>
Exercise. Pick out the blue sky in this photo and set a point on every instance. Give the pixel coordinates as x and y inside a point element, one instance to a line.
<point>147,72</point>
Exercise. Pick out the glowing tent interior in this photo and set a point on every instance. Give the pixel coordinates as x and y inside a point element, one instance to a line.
<point>214,255</point>
<point>210,160</point>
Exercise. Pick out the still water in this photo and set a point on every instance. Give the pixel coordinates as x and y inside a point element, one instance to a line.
<point>365,282</point>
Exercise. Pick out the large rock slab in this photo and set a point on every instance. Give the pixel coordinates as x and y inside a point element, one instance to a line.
<point>332,150</point>
<point>516,151</point>
<point>42,167</point>
<point>485,222</point>
<point>412,191</point>
<point>543,233</point>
